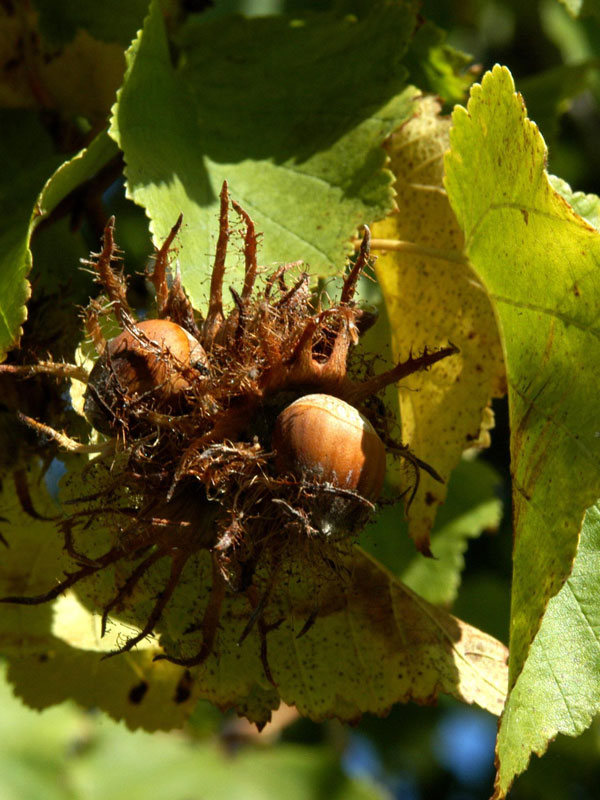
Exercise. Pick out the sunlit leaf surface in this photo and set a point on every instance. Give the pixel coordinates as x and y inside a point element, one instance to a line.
<point>432,298</point>
<point>557,691</point>
<point>387,645</point>
<point>300,151</point>
<point>539,262</point>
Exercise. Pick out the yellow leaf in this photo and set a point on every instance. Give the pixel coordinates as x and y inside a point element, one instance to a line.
<point>433,297</point>
<point>76,78</point>
<point>52,649</point>
<point>370,641</point>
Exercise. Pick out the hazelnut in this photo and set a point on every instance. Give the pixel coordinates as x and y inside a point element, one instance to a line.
<point>134,367</point>
<point>323,439</point>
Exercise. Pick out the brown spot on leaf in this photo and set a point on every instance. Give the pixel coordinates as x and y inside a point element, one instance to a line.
<point>137,694</point>
<point>183,690</point>
<point>525,216</point>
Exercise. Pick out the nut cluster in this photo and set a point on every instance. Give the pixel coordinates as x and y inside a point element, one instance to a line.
<point>243,434</point>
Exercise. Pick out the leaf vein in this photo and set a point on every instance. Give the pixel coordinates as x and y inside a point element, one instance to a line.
<point>575,438</point>
<point>520,207</point>
<point>551,312</point>
<point>595,633</point>
<point>549,664</point>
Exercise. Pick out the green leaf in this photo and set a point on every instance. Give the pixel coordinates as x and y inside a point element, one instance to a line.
<point>582,7</point>
<point>34,746</point>
<point>436,67</point>
<point>538,261</point>
<point>557,691</point>
<point>297,135</point>
<point>126,767</point>
<point>28,160</point>
<point>66,753</point>
<point>109,21</point>
<point>586,205</point>
<point>472,507</point>
<point>74,173</point>
<point>573,6</point>
<point>296,771</point>
<point>27,197</point>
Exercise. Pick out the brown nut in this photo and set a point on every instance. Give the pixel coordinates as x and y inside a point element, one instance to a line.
<point>324,439</point>
<point>135,367</point>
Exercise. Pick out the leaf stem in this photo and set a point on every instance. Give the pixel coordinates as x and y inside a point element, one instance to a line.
<point>400,246</point>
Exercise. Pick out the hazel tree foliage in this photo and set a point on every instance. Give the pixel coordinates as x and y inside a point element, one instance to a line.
<point>400,185</point>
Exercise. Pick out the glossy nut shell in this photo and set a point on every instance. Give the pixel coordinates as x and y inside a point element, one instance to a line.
<point>137,368</point>
<point>324,439</point>
<point>142,370</point>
